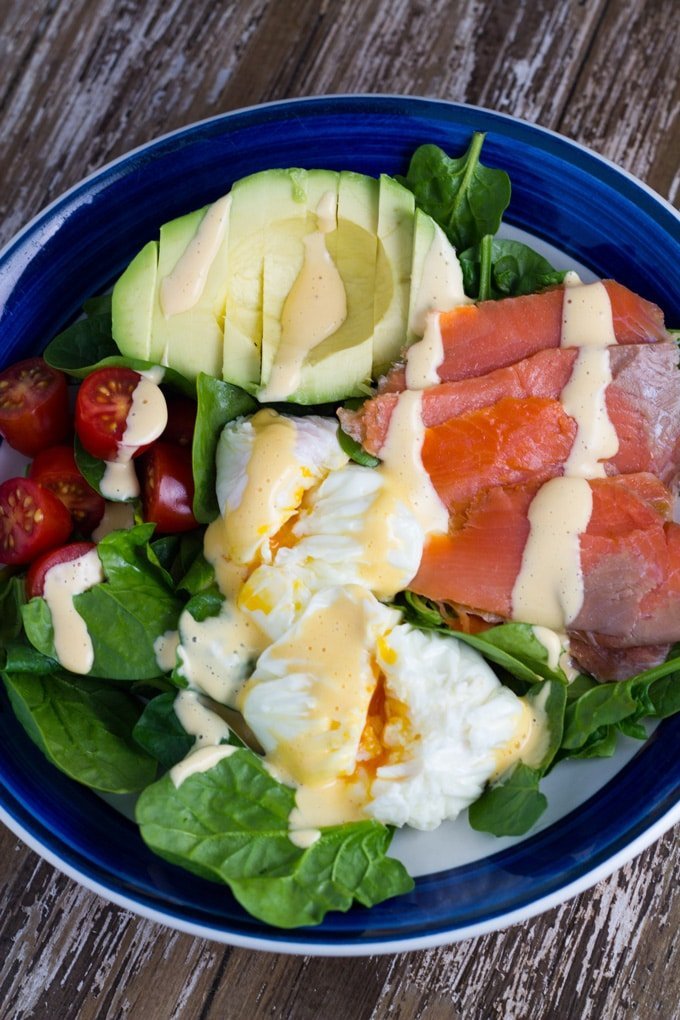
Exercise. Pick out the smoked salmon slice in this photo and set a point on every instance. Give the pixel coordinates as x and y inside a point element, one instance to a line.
<point>630,559</point>
<point>510,443</point>
<point>643,404</point>
<point>479,338</point>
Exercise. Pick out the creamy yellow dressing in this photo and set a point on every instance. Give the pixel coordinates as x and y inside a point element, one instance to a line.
<point>216,654</point>
<point>441,282</point>
<point>181,289</point>
<point>72,641</point>
<point>425,356</point>
<point>165,650</point>
<point>119,481</point>
<point>586,315</point>
<point>584,399</point>
<point>316,306</point>
<point>146,420</point>
<point>198,720</point>
<point>117,517</point>
<point>271,467</point>
<point>549,587</point>
<point>201,760</point>
<point>402,464</point>
<point>530,741</point>
<point>330,646</point>
<point>230,576</point>
<point>552,642</point>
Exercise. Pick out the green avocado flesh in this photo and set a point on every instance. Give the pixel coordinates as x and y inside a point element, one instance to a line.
<point>233,326</point>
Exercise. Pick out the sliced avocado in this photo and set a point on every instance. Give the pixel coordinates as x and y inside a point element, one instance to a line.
<point>396,212</point>
<point>436,276</point>
<point>310,193</point>
<point>132,303</point>
<point>190,339</point>
<point>254,207</point>
<point>340,366</point>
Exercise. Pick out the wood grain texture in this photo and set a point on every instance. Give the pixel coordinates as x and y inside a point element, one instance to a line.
<point>82,81</point>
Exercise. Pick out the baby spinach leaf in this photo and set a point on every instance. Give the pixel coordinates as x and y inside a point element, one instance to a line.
<point>601,706</point>
<point>230,824</point>
<point>217,403</point>
<point>83,345</point>
<point>511,806</point>
<point>87,345</point>
<point>159,732</point>
<point>22,657</point>
<point>179,553</point>
<point>550,700</point>
<point>199,575</point>
<point>355,450</point>
<point>84,727</point>
<point>100,304</point>
<point>499,268</point>
<point>664,694</point>
<point>466,198</point>
<point>125,615</point>
<point>513,646</point>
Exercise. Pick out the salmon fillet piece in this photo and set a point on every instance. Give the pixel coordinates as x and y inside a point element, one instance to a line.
<point>481,337</point>
<point>630,558</point>
<point>643,403</point>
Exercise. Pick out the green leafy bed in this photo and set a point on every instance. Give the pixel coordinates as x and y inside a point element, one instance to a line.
<point>116,730</point>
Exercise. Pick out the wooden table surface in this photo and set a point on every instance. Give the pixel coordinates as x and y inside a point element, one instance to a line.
<point>82,81</point>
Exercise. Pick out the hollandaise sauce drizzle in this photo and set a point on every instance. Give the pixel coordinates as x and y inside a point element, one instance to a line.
<point>72,641</point>
<point>146,420</point>
<point>549,587</point>
<point>181,289</point>
<point>271,464</point>
<point>315,308</point>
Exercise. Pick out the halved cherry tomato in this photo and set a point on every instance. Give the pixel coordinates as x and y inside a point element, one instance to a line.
<point>168,488</point>
<point>181,420</point>
<point>35,578</point>
<point>102,407</point>
<point>56,469</point>
<point>34,410</point>
<point>32,520</point>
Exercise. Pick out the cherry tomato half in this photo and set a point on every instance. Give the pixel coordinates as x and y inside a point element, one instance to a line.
<point>102,407</point>
<point>168,488</point>
<point>35,578</point>
<point>56,469</point>
<point>32,520</point>
<point>181,420</point>
<point>34,410</point>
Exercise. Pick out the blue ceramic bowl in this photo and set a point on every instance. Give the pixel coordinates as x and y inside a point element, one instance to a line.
<point>586,207</point>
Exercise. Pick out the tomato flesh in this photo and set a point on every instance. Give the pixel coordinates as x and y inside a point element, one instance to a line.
<point>35,578</point>
<point>32,520</point>
<point>102,407</point>
<point>56,469</point>
<point>34,410</point>
<point>168,488</point>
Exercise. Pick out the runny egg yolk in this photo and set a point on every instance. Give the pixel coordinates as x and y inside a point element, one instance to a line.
<point>385,713</point>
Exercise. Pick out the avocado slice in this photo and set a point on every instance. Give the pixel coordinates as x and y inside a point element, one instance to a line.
<point>340,366</point>
<point>187,334</point>
<point>396,211</point>
<point>436,276</point>
<point>132,303</point>
<point>293,217</point>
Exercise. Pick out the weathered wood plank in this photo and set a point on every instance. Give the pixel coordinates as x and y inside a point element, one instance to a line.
<point>85,80</point>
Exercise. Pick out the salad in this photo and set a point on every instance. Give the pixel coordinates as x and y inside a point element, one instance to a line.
<point>361,519</point>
